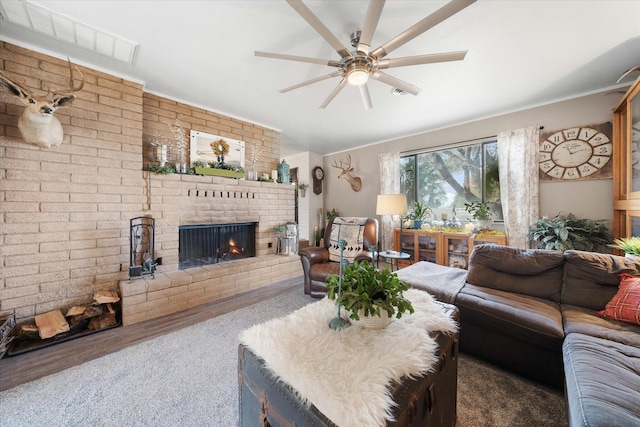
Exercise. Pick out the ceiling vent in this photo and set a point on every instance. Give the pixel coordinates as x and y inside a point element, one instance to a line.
<point>64,28</point>
<point>398,92</point>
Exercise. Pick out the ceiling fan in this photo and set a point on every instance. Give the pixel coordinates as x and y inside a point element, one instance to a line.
<point>356,67</point>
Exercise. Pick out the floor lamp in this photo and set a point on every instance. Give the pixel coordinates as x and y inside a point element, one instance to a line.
<point>392,204</point>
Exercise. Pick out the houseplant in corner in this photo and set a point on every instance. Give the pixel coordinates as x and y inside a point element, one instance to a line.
<point>563,232</point>
<point>374,295</point>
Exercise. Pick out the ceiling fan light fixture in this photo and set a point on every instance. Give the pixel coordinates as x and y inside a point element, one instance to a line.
<point>358,74</point>
<point>358,77</point>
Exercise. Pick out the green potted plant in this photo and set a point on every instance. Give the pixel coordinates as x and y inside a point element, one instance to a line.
<point>332,214</point>
<point>303,189</point>
<point>368,292</point>
<point>481,212</point>
<point>568,232</point>
<point>419,214</point>
<point>629,245</point>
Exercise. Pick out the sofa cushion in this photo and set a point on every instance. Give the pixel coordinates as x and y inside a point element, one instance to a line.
<point>625,304</point>
<point>351,230</point>
<point>591,278</point>
<point>602,380</point>
<point>533,320</point>
<point>533,272</point>
<point>585,321</point>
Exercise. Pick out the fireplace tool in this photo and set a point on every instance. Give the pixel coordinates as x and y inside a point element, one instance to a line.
<point>142,232</point>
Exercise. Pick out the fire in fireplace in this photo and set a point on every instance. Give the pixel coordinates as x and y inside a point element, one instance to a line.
<point>205,244</point>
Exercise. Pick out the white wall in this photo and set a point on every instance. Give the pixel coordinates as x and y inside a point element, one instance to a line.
<point>586,199</point>
<point>309,205</point>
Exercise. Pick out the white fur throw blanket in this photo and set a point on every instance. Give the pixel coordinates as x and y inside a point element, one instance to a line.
<point>346,373</point>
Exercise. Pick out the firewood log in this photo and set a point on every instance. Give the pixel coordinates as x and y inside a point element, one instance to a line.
<point>103,297</point>
<point>75,311</point>
<point>52,323</point>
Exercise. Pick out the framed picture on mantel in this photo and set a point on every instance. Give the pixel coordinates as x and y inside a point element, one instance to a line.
<point>202,149</point>
<point>576,153</point>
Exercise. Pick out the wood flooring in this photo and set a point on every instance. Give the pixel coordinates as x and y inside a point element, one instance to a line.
<point>30,366</point>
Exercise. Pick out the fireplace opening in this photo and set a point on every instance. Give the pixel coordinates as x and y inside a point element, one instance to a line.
<point>205,244</point>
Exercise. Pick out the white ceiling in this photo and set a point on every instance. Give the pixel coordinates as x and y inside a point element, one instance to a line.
<point>520,54</point>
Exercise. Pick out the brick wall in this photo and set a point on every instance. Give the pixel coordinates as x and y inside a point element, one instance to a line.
<point>65,210</point>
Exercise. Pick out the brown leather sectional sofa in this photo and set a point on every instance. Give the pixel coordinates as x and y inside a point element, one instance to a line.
<point>534,312</point>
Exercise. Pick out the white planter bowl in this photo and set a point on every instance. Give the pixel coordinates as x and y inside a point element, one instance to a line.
<point>373,322</point>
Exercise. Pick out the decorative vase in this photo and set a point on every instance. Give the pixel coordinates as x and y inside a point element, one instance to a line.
<point>373,322</point>
<point>303,192</point>
<point>417,224</point>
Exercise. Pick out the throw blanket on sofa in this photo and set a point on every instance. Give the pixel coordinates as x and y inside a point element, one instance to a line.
<point>346,373</point>
<point>448,281</point>
<point>350,229</point>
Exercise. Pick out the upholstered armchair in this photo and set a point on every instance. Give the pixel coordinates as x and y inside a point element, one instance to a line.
<point>320,262</point>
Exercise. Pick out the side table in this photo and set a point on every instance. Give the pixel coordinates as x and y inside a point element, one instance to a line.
<point>394,255</point>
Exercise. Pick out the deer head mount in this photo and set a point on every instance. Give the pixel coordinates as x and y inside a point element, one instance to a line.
<point>37,124</point>
<point>356,182</point>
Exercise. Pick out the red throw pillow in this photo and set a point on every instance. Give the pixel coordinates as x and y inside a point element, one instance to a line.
<point>625,305</point>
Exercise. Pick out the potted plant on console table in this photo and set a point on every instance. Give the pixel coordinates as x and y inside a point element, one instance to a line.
<point>419,214</point>
<point>371,296</point>
<point>629,245</point>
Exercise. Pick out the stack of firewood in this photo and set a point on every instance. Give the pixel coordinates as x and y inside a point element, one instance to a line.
<point>98,315</point>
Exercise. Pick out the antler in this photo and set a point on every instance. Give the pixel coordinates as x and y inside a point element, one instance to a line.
<point>335,164</point>
<point>71,88</point>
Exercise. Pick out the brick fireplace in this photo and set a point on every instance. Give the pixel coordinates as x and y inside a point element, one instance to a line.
<point>181,200</point>
<point>65,211</point>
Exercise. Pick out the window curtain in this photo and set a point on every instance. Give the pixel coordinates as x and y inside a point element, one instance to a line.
<point>389,184</point>
<point>518,159</point>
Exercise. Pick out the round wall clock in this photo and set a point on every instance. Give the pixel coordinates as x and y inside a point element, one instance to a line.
<point>318,176</point>
<point>575,153</point>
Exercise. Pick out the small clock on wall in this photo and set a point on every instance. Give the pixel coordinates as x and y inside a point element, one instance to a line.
<point>318,176</point>
<point>582,152</point>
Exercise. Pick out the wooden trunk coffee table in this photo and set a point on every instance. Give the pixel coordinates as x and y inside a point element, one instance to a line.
<point>426,401</point>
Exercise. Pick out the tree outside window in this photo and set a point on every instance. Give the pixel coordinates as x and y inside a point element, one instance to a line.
<point>447,179</point>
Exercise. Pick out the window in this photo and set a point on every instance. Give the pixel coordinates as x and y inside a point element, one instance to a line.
<point>445,180</point>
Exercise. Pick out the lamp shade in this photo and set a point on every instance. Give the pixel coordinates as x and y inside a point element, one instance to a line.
<point>391,204</point>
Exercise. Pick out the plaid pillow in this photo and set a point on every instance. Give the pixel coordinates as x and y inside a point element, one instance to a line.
<point>625,305</point>
<point>350,229</point>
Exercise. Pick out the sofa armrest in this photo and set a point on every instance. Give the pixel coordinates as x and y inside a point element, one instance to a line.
<point>364,256</point>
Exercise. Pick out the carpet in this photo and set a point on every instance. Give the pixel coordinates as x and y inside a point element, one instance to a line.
<point>189,378</point>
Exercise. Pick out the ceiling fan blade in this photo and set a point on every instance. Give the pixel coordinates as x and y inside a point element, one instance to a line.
<point>366,98</point>
<point>317,25</point>
<point>392,81</point>
<point>328,62</point>
<point>422,59</point>
<point>370,23</point>
<point>446,11</point>
<point>308,82</point>
<point>334,92</point>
